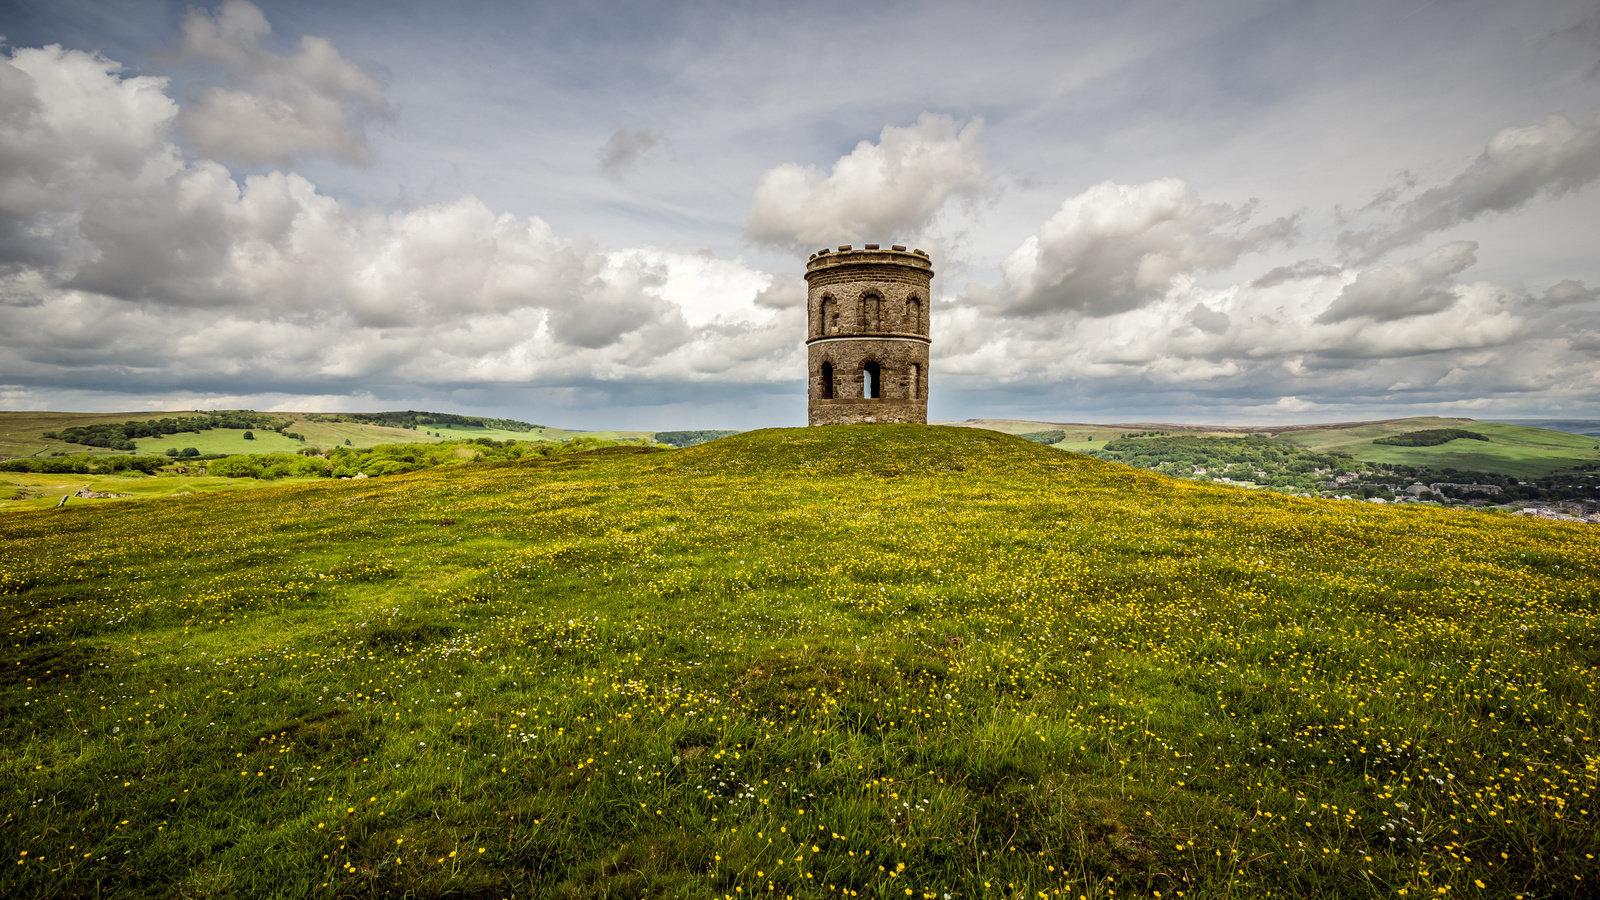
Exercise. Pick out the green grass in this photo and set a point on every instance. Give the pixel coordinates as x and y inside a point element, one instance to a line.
<point>880,661</point>
<point>1511,449</point>
<point>23,491</point>
<point>220,441</point>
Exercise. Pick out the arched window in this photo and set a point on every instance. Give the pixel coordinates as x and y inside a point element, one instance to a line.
<point>871,311</point>
<point>826,390</point>
<point>915,381</point>
<point>913,321</point>
<point>871,381</point>
<point>830,316</point>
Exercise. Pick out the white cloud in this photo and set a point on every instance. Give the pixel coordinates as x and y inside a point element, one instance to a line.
<point>704,287</point>
<point>275,108</point>
<point>71,127</point>
<point>180,276</point>
<point>1413,288</point>
<point>1518,165</point>
<point>1117,247</point>
<point>889,190</point>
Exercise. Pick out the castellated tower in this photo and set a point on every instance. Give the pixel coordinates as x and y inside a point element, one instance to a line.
<point>867,335</point>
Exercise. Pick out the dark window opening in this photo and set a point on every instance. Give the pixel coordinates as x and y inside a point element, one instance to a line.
<point>871,382</point>
<point>827,381</point>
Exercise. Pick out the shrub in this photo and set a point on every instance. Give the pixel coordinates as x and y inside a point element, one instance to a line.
<point>1430,437</point>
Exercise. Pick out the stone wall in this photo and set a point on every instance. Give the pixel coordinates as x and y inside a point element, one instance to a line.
<point>867,309</point>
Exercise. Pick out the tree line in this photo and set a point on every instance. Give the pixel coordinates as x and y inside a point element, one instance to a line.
<point>121,436</point>
<point>411,419</point>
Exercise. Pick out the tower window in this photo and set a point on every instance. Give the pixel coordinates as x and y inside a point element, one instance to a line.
<point>871,310</point>
<point>913,314</point>
<point>830,316</point>
<point>826,390</point>
<point>916,381</point>
<point>871,382</point>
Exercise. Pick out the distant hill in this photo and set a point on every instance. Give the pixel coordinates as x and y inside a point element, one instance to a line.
<point>1589,427</point>
<point>1517,450</point>
<point>23,434</point>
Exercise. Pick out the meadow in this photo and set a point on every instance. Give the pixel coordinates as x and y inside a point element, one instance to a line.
<point>856,661</point>
<point>26,491</point>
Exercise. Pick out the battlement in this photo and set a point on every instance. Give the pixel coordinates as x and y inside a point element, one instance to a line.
<point>847,255</point>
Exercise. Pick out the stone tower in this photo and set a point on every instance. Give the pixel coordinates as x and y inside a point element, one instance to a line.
<point>867,335</point>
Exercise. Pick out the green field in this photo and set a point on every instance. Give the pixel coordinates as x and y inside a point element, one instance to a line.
<point>872,661</point>
<point>22,433</point>
<point>1511,449</point>
<point>221,441</point>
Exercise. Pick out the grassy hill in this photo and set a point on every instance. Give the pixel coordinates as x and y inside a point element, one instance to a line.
<point>880,661</point>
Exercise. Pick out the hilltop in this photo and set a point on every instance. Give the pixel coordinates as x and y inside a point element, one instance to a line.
<point>877,661</point>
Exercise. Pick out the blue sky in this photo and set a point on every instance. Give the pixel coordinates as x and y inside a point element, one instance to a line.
<point>596,215</point>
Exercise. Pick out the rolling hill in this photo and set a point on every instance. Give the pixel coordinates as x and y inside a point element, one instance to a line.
<point>22,434</point>
<point>879,661</point>
<point>1519,450</point>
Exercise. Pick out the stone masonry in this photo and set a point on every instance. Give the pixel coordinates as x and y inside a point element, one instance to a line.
<point>867,335</point>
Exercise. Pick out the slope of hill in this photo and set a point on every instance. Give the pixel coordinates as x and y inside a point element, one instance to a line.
<point>878,661</point>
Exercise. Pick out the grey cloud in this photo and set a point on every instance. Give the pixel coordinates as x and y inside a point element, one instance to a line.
<point>1305,268</point>
<point>624,149</point>
<point>1116,247</point>
<point>611,310</point>
<point>275,108</point>
<point>1209,320</point>
<point>1569,293</point>
<point>1518,165</point>
<point>785,292</point>
<point>1413,288</point>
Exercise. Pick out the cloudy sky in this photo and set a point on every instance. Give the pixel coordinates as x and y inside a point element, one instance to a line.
<point>597,215</point>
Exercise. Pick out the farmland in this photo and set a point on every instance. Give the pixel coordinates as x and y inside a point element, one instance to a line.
<point>878,661</point>
<point>1510,449</point>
